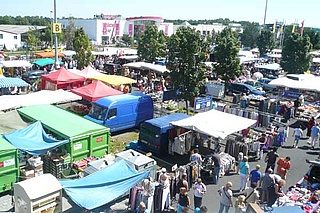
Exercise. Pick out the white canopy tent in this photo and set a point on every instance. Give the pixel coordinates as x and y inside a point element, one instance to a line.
<point>87,72</point>
<point>134,64</point>
<point>298,81</point>
<point>215,123</point>
<point>316,60</point>
<point>69,53</point>
<point>155,67</point>
<point>15,63</point>
<point>273,66</point>
<point>40,97</point>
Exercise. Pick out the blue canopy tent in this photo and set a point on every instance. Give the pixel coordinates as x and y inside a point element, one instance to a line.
<point>103,186</point>
<point>12,82</point>
<point>33,140</point>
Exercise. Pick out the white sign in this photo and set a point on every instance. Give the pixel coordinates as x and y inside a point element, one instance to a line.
<point>9,162</point>
<point>77,146</point>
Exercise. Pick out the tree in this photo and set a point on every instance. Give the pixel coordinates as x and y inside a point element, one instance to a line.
<point>226,54</point>
<point>211,39</point>
<point>151,45</point>
<point>187,51</point>
<point>314,37</point>
<point>295,54</point>
<point>83,49</point>
<point>265,41</point>
<point>33,40</point>
<point>250,35</point>
<point>69,34</point>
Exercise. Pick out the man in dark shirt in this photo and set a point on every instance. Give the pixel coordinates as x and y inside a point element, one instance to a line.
<point>271,158</point>
<point>216,167</point>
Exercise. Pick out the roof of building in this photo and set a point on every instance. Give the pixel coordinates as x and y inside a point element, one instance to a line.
<point>19,29</point>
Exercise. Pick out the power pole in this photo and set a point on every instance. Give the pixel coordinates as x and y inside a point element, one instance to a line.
<point>265,14</point>
<point>55,38</point>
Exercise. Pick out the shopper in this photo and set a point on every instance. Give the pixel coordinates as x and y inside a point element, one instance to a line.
<point>244,173</point>
<point>255,175</point>
<point>283,167</point>
<point>251,193</point>
<point>225,198</point>
<point>142,208</point>
<point>183,182</point>
<point>184,201</point>
<point>271,158</point>
<point>266,181</point>
<point>203,209</point>
<point>216,167</point>
<point>199,190</point>
<point>311,123</point>
<point>263,143</point>
<point>196,157</point>
<point>275,191</point>
<point>315,131</point>
<point>297,135</point>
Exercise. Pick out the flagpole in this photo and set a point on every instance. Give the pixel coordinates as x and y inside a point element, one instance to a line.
<point>265,14</point>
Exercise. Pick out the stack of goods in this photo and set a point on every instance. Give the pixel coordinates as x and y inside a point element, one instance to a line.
<point>33,168</point>
<point>302,197</point>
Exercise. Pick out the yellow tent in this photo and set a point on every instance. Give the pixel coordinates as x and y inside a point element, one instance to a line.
<point>1,72</point>
<point>114,80</point>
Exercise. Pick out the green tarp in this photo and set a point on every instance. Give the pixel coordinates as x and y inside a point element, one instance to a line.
<point>44,62</point>
<point>65,122</point>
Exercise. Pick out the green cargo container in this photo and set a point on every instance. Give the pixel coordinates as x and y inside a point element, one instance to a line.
<point>9,165</point>
<point>86,137</point>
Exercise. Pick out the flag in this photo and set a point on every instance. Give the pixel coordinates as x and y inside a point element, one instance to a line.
<point>301,28</point>
<point>281,28</point>
<point>293,27</point>
<point>274,27</point>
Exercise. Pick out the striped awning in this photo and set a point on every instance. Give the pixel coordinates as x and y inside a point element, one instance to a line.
<point>12,82</point>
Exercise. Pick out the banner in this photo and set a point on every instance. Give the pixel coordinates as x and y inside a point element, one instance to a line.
<point>131,29</point>
<point>301,29</point>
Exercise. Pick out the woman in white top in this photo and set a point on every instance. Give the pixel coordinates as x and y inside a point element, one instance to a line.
<point>297,135</point>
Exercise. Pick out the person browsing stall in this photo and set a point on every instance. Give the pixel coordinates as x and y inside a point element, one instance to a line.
<point>283,167</point>
<point>196,157</point>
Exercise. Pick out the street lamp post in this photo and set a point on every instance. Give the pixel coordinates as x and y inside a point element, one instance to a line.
<point>265,14</point>
<point>51,21</point>
<point>55,37</point>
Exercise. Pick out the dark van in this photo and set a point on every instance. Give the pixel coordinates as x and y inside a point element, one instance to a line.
<point>154,133</point>
<point>119,112</point>
<point>111,68</point>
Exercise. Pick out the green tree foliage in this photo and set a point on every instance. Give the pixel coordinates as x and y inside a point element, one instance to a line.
<point>33,40</point>
<point>69,34</point>
<point>83,48</point>
<point>226,54</point>
<point>151,44</point>
<point>314,37</point>
<point>250,35</point>
<point>295,54</point>
<point>128,39</point>
<point>187,51</point>
<point>265,41</point>
<point>212,38</point>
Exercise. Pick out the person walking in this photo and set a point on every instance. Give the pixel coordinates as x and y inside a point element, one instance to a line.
<point>225,197</point>
<point>251,193</point>
<point>283,167</point>
<point>266,181</point>
<point>216,167</point>
<point>310,124</point>
<point>315,131</point>
<point>183,182</point>
<point>199,190</point>
<point>297,135</point>
<point>244,173</point>
<point>184,201</point>
<point>271,158</point>
<point>255,175</point>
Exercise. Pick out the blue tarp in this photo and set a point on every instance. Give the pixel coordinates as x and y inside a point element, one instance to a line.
<point>12,82</point>
<point>103,186</point>
<point>33,140</point>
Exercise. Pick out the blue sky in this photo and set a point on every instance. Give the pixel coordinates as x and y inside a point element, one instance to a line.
<point>246,10</point>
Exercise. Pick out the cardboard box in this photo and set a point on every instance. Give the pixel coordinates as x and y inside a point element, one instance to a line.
<point>27,172</point>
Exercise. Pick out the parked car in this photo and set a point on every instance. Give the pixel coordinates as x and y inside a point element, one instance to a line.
<point>239,88</point>
<point>265,84</point>
<point>312,177</point>
<point>31,76</point>
<point>111,68</point>
<point>255,84</point>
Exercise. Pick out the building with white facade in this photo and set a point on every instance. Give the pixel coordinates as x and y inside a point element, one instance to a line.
<point>10,35</point>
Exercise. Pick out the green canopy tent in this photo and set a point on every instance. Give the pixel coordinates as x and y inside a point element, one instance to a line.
<point>44,62</point>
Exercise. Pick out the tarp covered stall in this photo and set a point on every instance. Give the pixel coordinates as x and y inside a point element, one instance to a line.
<point>215,123</point>
<point>95,91</point>
<point>38,194</point>
<point>11,121</point>
<point>33,140</point>
<point>44,62</point>
<point>61,79</point>
<point>156,68</point>
<point>138,161</point>
<point>135,64</point>
<point>87,72</point>
<point>103,186</point>
<point>40,97</point>
<point>15,63</point>
<point>48,54</point>
<point>9,165</point>
<point>273,66</point>
<point>12,82</point>
<point>114,80</point>
<point>69,53</point>
<point>86,137</point>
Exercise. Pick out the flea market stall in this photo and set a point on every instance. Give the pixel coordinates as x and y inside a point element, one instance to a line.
<point>86,139</point>
<point>12,86</point>
<point>40,194</point>
<point>61,79</point>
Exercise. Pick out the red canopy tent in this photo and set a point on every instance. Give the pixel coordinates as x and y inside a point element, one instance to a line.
<point>61,79</point>
<point>95,91</point>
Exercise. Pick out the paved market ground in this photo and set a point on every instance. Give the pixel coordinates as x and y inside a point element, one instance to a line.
<point>211,199</point>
